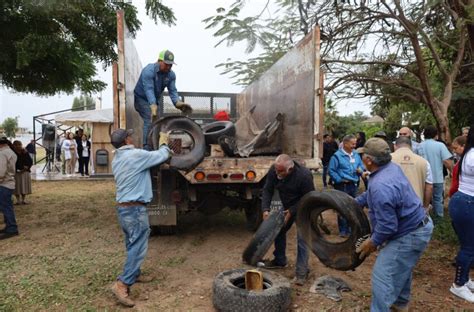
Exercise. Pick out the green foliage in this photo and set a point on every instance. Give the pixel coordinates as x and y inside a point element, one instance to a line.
<point>443,231</point>
<point>79,103</point>
<point>52,46</point>
<point>10,126</point>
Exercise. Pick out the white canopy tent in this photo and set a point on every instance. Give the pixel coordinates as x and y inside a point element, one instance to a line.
<point>98,122</point>
<point>79,118</point>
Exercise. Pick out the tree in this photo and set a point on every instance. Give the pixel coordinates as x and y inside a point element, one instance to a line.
<point>79,102</point>
<point>10,126</point>
<point>52,46</point>
<point>414,47</point>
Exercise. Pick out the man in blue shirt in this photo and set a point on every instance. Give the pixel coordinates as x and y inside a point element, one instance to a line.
<point>345,168</point>
<point>131,169</point>
<point>154,78</point>
<point>437,154</point>
<point>401,229</point>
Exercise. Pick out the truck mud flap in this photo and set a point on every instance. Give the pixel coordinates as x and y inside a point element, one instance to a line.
<point>181,161</point>
<point>340,255</point>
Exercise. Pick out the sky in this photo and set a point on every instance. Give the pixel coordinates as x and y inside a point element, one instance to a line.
<point>194,51</point>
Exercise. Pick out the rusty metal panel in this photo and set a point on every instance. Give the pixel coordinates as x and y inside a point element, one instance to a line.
<point>129,69</point>
<point>288,87</point>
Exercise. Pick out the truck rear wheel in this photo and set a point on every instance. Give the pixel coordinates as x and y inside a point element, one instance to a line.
<point>163,230</point>
<point>253,214</point>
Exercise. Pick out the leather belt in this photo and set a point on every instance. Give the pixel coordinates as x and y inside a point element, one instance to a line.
<point>131,204</point>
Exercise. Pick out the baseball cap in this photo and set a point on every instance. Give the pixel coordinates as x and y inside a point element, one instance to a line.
<point>380,134</point>
<point>166,56</point>
<point>376,147</point>
<point>118,136</point>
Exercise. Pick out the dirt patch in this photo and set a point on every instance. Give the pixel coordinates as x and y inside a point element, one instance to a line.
<point>71,249</point>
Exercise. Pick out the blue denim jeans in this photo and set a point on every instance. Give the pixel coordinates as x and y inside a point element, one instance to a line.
<point>135,226</point>
<point>6,207</point>
<point>144,110</point>
<point>438,199</point>
<point>351,189</point>
<point>325,174</point>
<point>461,210</point>
<point>392,272</point>
<point>302,255</point>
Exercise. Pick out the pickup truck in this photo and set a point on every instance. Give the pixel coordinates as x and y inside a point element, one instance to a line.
<point>291,88</point>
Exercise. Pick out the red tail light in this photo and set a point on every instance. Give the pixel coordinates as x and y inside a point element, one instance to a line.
<point>237,176</point>
<point>214,176</point>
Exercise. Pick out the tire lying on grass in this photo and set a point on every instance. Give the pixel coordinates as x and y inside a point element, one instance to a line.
<point>229,293</point>
<point>342,255</point>
<point>214,130</point>
<point>187,161</point>
<point>263,239</point>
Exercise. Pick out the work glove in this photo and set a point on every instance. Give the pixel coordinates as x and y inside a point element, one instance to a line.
<point>154,109</point>
<point>164,138</point>
<point>366,248</point>
<point>184,108</point>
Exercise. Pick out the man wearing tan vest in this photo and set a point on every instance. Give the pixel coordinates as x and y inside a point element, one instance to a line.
<point>416,168</point>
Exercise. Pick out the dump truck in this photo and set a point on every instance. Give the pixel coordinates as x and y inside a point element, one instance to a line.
<point>290,92</point>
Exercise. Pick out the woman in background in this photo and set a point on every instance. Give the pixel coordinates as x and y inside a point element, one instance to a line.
<point>461,211</point>
<point>22,175</point>
<point>84,151</point>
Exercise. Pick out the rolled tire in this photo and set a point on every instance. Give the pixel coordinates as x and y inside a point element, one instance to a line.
<point>263,239</point>
<point>186,161</point>
<point>214,130</point>
<point>229,293</point>
<point>342,255</point>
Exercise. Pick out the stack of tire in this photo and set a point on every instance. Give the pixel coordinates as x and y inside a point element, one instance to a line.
<point>222,133</point>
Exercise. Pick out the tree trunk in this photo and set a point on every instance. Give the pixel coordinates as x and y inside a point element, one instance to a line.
<point>440,113</point>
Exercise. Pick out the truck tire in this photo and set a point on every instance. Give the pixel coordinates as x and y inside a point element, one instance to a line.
<point>253,214</point>
<point>263,239</point>
<point>214,130</point>
<point>186,161</point>
<point>342,255</point>
<point>163,230</point>
<point>229,293</point>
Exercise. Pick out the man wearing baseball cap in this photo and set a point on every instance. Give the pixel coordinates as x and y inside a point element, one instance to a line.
<point>131,169</point>
<point>401,229</point>
<point>154,78</point>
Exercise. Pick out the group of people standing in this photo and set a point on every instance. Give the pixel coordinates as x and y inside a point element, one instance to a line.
<point>400,182</point>
<point>15,179</point>
<point>75,148</point>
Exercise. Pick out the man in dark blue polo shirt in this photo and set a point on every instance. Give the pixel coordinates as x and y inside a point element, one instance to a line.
<point>401,229</point>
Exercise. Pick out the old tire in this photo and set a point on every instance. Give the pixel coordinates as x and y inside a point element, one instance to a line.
<point>229,293</point>
<point>340,256</point>
<point>186,161</point>
<point>263,239</point>
<point>214,130</point>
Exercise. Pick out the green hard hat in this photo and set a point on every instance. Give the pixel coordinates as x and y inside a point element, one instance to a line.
<point>167,57</point>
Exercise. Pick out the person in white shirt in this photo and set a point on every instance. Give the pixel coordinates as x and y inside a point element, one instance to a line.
<point>70,154</point>
<point>84,151</point>
<point>461,211</point>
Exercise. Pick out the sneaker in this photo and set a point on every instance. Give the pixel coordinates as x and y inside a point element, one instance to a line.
<point>462,292</point>
<point>272,264</point>
<point>299,280</point>
<point>470,285</point>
